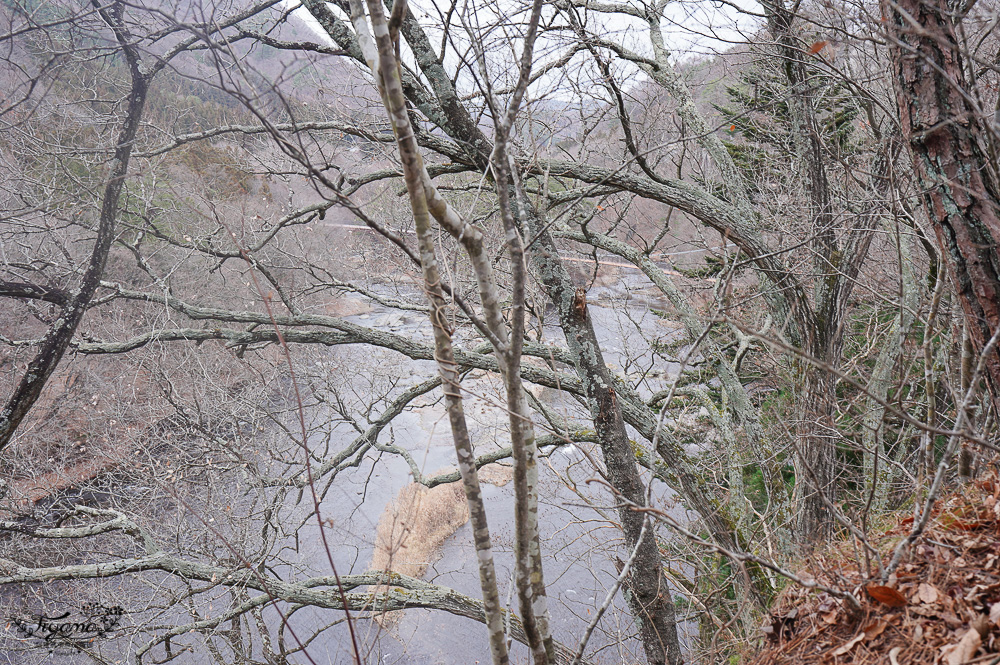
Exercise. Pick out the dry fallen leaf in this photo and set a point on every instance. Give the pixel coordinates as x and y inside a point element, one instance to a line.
<point>873,630</point>
<point>892,655</point>
<point>841,650</point>
<point>927,593</point>
<point>958,654</point>
<point>886,595</point>
<point>995,614</point>
<point>981,624</point>
<point>952,619</point>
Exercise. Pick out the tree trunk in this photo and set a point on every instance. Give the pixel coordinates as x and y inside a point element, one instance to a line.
<point>945,132</point>
<point>968,362</point>
<point>649,596</point>
<point>815,457</point>
<point>815,450</point>
<point>387,72</point>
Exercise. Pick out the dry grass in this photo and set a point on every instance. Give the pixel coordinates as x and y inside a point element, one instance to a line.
<point>414,527</point>
<point>346,306</point>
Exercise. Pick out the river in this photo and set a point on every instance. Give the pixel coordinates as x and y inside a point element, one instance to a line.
<point>579,539</point>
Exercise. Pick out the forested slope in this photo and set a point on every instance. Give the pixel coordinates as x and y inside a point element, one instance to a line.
<point>270,275</point>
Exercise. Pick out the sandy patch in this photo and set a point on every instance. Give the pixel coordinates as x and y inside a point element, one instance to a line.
<point>347,306</point>
<point>414,527</point>
<point>496,474</point>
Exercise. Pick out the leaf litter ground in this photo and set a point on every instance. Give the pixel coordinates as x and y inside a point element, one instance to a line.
<point>941,606</point>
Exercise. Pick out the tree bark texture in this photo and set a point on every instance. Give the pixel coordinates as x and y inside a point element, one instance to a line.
<point>945,132</point>
<point>815,457</point>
